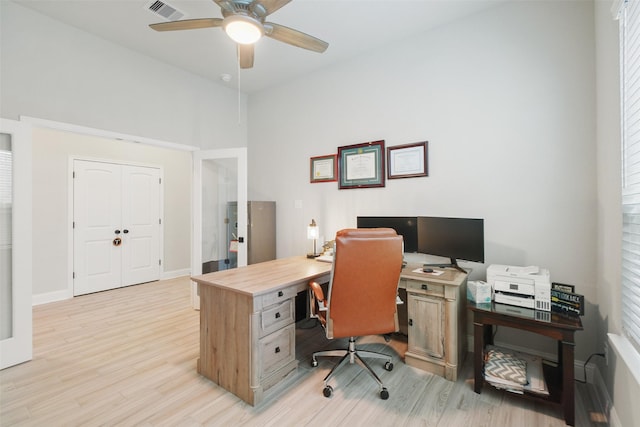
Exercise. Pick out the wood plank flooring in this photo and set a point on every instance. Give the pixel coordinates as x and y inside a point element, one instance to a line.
<point>127,357</point>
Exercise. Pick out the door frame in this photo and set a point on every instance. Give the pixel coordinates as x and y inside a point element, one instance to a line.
<point>19,347</point>
<point>196,236</point>
<point>70,201</point>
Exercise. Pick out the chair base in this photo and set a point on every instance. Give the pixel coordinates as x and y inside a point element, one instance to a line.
<point>352,355</point>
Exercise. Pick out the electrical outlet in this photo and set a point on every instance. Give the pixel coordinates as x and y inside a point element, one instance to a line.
<point>606,353</point>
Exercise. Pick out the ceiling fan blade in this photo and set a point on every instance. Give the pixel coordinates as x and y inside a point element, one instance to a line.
<point>294,37</point>
<point>245,52</point>
<point>226,5</point>
<point>187,24</point>
<point>272,5</point>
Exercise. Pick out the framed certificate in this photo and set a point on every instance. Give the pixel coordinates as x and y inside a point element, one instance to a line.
<point>407,161</point>
<point>324,168</point>
<point>361,165</point>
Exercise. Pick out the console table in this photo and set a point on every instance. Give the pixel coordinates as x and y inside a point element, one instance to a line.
<point>561,328</point>
<point>247,322</point>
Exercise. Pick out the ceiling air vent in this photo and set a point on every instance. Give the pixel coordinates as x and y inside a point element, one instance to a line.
<point>169,13</point>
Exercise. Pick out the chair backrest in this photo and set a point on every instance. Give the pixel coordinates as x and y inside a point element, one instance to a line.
<point>364,283</point>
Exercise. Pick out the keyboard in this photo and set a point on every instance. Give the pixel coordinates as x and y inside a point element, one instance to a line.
<point>325,258</point>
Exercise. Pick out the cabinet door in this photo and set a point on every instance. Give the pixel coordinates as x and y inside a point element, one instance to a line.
<point>426,325</point>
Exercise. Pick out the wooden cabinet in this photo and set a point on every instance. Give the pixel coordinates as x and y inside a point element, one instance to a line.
<point>247,323</point>
<point>425,326</point>
<point>435,321</point>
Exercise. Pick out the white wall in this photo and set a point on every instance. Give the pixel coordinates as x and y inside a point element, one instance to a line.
<point>506,100</point>
<point>52,71</point>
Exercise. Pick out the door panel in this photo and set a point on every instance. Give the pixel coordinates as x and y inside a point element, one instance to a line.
<point>426,316</point>
<point>97,213</point>
<point>141,228</point>
<point>15,244</point>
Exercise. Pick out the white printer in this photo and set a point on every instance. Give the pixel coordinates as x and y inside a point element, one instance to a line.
<point>528,287</point>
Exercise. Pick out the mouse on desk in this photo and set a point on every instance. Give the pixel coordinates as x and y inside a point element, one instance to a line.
<point>427,270</point>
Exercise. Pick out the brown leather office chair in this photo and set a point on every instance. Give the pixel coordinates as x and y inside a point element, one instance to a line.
<point>362,295</point>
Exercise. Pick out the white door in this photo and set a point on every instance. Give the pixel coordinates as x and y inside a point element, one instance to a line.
<point>141,225</point>
<point>15,244</point>
<point>116,225</point>
<point>219,177</point>
<point>97,210</point>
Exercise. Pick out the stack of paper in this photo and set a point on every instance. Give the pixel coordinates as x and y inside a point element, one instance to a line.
<point>502,370</point>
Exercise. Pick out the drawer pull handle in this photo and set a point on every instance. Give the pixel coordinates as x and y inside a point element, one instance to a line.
<point>280,293</point>
<point>277,315</point>
<point>277,349</point>
<point>410,322</point>
<point>424,287</point>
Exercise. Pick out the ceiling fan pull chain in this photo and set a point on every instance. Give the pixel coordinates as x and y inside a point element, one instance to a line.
<point>238,69</point>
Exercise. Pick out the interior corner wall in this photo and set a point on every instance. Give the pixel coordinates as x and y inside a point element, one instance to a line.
<point>506,99</point>
<point>50,70</point>
<point>52,151</point>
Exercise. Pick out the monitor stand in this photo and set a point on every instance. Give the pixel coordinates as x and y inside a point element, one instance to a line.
<point>452,264</point>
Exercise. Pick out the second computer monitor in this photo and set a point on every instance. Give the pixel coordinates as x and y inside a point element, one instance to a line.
<point>406,226</point>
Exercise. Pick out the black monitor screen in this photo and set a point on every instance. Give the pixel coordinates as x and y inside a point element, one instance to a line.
<point>406,226</point>
<point>456,238</point>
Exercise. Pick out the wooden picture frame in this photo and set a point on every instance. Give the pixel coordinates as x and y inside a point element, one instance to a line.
<point>323,168</point>
<point>361,165</point>
<point>408,160</point>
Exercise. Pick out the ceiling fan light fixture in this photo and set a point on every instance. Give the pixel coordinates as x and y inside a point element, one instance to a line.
<point>243,29</point>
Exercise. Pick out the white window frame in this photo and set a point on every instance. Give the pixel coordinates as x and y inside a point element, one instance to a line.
<point>629,17</point>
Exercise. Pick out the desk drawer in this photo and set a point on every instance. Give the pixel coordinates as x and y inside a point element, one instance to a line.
<point>276,350</point>
<point>275,297</point>
<point>423,287</point>
<point>276,316</point>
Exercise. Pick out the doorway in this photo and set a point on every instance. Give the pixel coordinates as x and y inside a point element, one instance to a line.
<point>116,225</point>
<point>219,177</point>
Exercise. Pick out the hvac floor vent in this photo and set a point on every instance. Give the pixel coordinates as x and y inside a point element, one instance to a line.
<point>169,13</point>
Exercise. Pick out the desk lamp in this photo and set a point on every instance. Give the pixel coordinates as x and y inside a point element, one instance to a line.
<point>312,234</point>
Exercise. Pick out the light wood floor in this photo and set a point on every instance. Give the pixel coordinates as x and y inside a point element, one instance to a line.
<point>128,357</point>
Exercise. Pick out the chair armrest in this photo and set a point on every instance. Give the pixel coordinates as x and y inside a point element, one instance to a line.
<point>317,301</point>
<point>318,295</point>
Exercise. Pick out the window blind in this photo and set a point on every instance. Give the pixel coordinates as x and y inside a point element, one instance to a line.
<point>630,94</point>
<point>6,194</point>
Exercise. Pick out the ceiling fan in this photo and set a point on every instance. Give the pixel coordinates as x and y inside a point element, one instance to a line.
<point>244,22</point>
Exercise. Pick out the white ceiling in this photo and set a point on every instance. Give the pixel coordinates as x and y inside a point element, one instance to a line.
<point>351,27</point>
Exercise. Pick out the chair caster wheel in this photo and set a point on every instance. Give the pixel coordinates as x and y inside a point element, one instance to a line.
<point>314,363</point>
<point>384,393</point>
<point>388,366</point>
<point>328,390</point>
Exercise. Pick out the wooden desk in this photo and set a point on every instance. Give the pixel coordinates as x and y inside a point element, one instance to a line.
<point>561,328</point>
<point>247,322</point>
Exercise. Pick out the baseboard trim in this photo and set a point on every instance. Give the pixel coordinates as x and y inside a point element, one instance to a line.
<point>62,295</point>
<point>175,273</point>
<point>605,399</point>
<point>51,297</point>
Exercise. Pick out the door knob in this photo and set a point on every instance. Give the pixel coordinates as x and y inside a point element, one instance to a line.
<point>117,241</point>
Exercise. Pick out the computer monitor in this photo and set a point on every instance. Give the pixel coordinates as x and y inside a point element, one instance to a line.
<point>454,238</point>
<point>406,226</point>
